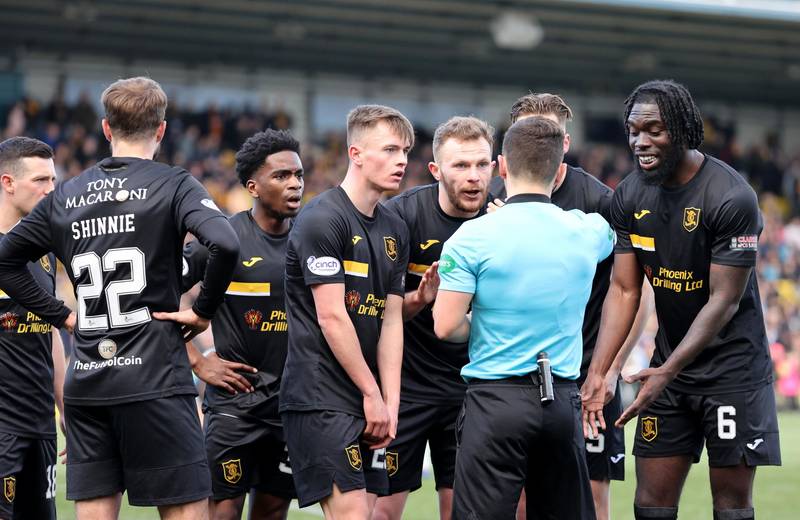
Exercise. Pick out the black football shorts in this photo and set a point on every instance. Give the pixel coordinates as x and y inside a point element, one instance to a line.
<point>28,476</point>
<point>152,449</point>
<point>605,455</point>
<point>735,427</point>
<point>508,439</point>
<point>325,447</point>
<point>418,425</point>
<point>245,454</point>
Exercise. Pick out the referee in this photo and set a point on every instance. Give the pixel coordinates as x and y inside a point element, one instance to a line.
<point>528,298</point>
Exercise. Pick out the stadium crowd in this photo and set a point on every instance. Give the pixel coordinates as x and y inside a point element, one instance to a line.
<point>204,142</point>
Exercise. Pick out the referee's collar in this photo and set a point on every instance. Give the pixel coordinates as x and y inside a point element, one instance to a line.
<point>528,197</point>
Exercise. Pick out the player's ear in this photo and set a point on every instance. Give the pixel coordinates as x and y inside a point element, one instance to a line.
<point>160,131</point>
<point>106,129</point>
<point>354,153</point>
<point>502,167</point>
<point>251,188</point>
<point>435,171</point>
<point>7,182</point>
<point>567,141</point>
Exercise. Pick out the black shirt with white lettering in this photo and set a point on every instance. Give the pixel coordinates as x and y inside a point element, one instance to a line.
<point>118,229</point>
<point>332,242</point>
<point>250,326</point>
<point>676,234</point>
<point>581,190</point>
<point>431,367</point>
<point>27,405</point>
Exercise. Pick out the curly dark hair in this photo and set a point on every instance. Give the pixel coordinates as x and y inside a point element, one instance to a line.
<point>678,111</point>
<point>258,147</point>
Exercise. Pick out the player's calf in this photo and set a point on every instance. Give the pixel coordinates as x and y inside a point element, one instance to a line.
<point>229,509</point>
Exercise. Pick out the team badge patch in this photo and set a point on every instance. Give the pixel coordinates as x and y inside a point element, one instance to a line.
<point>8,321</point>
<point>392,462</point>
<point>649,428</point>
<point>691,218</point>
<point>10,488</point>
<point>232,470</point>
<point>253,319</point>
<point>390,245</point>
<point>45,263</point>
<point>352,299</point>
<point>353,453</point>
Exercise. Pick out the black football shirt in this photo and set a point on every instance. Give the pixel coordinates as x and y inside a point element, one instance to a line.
<point>676,234</point>
<point>250,326</point>
<point>27,405</point>
<point>431,367</point>
<point>332,242</point>
<point>581,190</point>
<point>118,229</point>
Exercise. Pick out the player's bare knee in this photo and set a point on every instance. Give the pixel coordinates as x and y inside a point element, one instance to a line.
<point>225,510</point>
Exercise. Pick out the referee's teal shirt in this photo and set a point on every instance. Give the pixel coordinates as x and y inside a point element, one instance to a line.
<point>530,267</point>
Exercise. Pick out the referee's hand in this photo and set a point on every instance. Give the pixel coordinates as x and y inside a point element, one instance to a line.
<point>593,394</point>
<point>377,433</point>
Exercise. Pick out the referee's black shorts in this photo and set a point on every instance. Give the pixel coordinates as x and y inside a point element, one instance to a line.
<point>508,439</point>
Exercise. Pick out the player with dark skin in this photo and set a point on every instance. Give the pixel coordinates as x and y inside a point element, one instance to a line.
<point>660,479</point>
<point>277,189</point>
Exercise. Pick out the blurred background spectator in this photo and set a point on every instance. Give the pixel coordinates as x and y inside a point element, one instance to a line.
<point>204,141</point>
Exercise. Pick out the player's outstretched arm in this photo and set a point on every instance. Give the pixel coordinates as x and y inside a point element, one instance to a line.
<point>390,361</point>
<point>619,312</point>
<point>415,301</point>
<point>646,306</point>
<point>341,336</point>
<point>450,321</point>
<point>726,286</point>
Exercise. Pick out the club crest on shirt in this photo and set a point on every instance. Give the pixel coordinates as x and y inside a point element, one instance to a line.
<point>392,462</point>
<point>10,488</point>
<point>353,453</point>
<point>691,219</point>
<point>252,318</point>
<point>390,245</point>
<point>8,321</point>
<point>352,299</point>
<point>45,263</point>
<point>232,470</point>
<point>649,428</point>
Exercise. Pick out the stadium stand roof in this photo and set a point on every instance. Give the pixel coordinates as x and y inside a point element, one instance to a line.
<point>720,51</point>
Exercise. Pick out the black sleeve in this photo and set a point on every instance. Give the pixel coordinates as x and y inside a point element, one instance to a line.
<point>604,204</point>
<point>28,240</point>
<point>217,235</point>
<point>620,222</point>
<point>735,227</point>
<point>195,257</point>
<point>194,211</point>
<point>398,285</point>
<point>318,238</point>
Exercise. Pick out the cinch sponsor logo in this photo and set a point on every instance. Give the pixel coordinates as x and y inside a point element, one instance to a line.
<point>323,266</point>
<point>113,362</point>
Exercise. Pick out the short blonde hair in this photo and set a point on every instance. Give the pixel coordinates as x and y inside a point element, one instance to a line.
<point>463,128</point>
<point>541,105</point>
<point>135,107</point>
<point>364,117</point>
